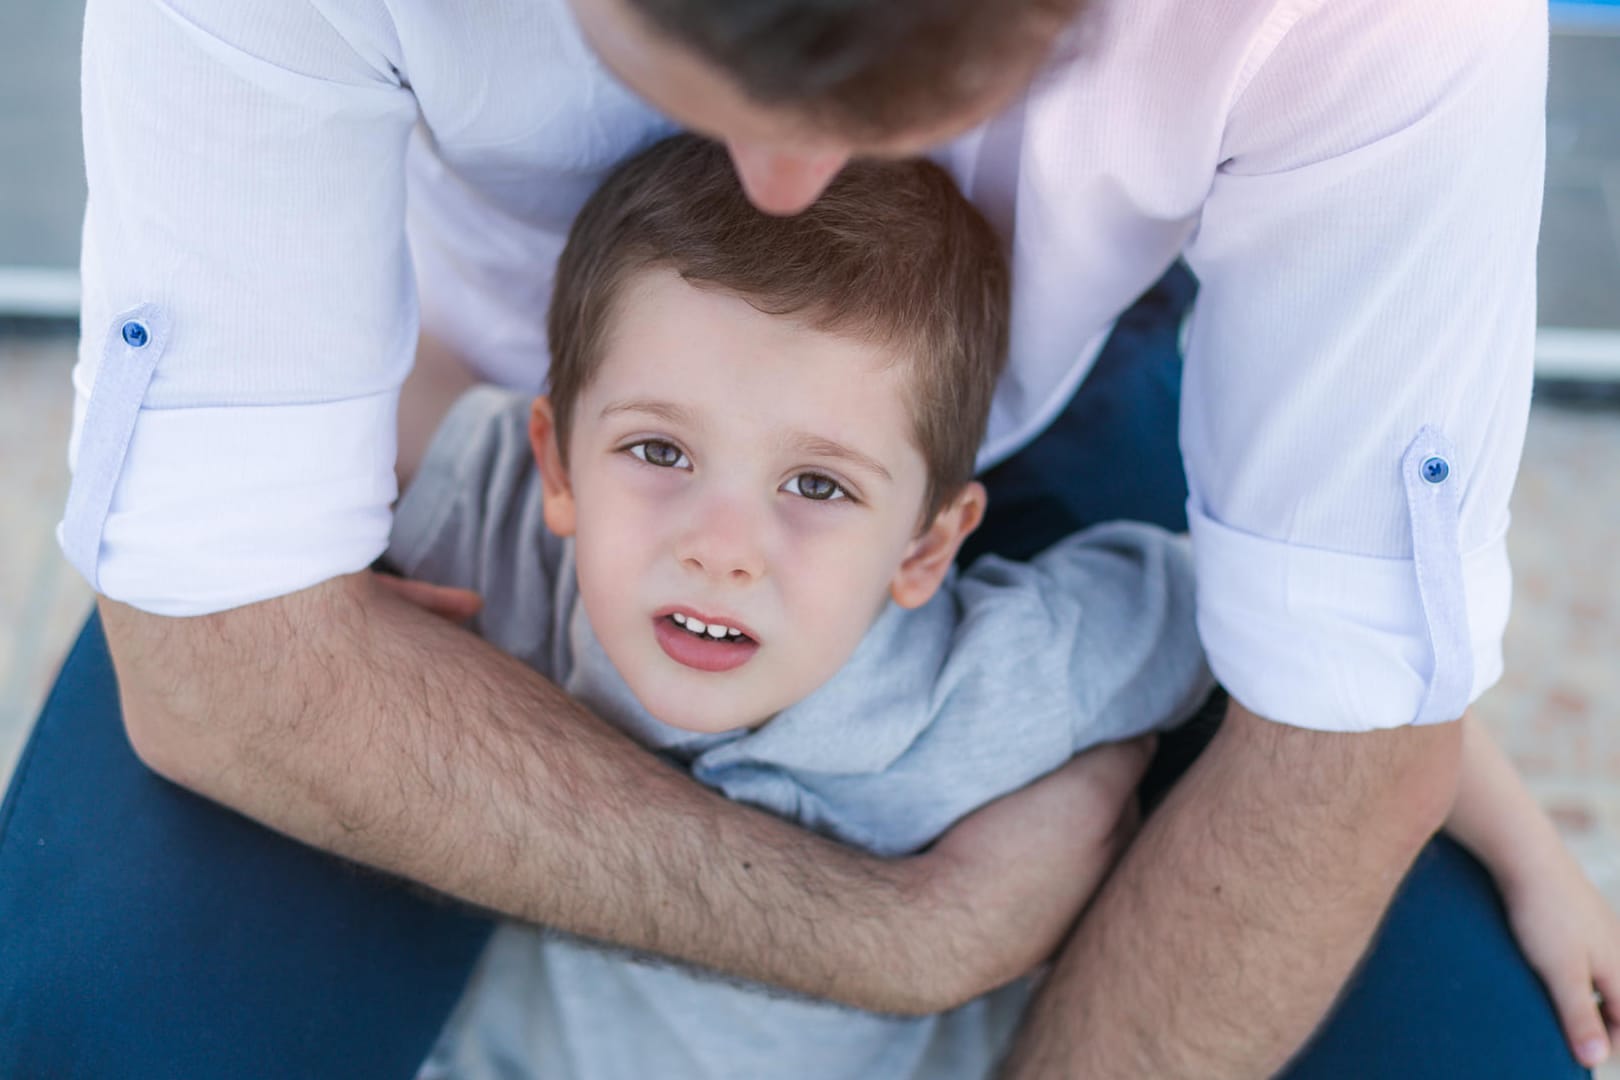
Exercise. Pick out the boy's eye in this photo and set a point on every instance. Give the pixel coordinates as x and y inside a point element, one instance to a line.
<point>660,453</point>
<point>816,486</point>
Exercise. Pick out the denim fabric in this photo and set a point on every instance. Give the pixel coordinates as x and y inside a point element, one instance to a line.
<point>146,933</point>
<point>1112,453</point>
<point>1444,991</point>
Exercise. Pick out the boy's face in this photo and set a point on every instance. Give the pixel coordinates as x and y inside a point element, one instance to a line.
<point>728,468</point>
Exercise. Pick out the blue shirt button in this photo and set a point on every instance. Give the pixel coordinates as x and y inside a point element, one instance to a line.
<point>135,335</point>
<point>1435,470</point>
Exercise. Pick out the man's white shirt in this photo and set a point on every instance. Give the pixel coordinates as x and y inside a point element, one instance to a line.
<point>281,191</point>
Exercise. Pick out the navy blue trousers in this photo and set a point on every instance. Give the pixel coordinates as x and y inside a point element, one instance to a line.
<point>145,932</point>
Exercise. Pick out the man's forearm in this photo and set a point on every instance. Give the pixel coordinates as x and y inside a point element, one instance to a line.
<point>1243,907</point>
<point>350,720</point>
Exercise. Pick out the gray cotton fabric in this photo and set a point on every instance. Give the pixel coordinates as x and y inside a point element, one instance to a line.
<point>1005,674</point>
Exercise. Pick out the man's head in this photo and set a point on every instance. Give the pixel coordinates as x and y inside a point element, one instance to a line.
<point>795,88</point>
<point>764,424</point>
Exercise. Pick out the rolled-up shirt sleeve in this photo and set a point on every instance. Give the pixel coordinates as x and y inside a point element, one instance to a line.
<point>1359,363</point>
<point>248,311</point>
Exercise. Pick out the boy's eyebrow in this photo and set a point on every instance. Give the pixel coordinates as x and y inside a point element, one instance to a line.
<point>663,410</point>
<point>818,446</point>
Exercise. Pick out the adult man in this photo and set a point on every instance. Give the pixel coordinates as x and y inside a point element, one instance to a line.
<point>1356,389</point>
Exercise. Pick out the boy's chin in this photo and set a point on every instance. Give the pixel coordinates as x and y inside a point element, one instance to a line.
<point>706,724</point>
<point>682,708</point>
<point>711,729</point>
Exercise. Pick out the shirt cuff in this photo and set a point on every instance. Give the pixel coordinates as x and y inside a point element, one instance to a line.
<point>204,509</point>
<point>1338,642</point>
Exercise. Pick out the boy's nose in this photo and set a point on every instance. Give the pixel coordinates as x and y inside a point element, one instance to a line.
<point>723,544</point>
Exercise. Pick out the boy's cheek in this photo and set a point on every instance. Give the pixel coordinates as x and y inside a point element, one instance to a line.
<point>830,615</point>
<point>836,571</point>
<point>616,517</point>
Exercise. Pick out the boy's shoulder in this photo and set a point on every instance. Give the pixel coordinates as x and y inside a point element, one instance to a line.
<point>474,468</point>
<point>1007,672</point>
<point>472,517</point>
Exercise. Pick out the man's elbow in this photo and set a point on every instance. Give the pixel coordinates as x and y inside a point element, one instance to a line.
<point>164,740</point>
<point>145,730</point>
<point>1423,788</point>
<point>194,691</point>
<point>151,693</point>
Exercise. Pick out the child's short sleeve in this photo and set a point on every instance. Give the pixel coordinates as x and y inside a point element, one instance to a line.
<point>472,518</point>
<point>1101,626</point>
<point>1004,675</point>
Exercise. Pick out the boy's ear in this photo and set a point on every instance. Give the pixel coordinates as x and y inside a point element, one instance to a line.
<point>931,554</point>
<point>558,505</point>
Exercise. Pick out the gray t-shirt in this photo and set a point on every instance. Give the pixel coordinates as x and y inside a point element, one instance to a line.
<point>1004,675</point>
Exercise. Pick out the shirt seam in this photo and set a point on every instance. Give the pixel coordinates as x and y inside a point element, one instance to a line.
<point>382,84</point>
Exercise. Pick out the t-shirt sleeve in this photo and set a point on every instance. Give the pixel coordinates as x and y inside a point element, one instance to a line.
<point>1099,630</point>
<point>1005,674</point>
<point>472,518</point>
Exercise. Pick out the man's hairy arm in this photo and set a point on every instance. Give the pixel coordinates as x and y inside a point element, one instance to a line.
<point>349,719</point>
<point>1231,924</point>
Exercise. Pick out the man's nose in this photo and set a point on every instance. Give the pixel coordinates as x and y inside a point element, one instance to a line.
<point>723,542</point>
<point>782,182</point>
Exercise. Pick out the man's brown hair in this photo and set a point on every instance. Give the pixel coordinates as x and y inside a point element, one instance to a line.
<point>891,253</point>
<point>868,68</point>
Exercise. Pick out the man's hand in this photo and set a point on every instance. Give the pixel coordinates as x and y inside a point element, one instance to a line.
<point>1231,924</point>
<point>349,718</point>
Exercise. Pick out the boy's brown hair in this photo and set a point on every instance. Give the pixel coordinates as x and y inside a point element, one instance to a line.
<point>891,253</point>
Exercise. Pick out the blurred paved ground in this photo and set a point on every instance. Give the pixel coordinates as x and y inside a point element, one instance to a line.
<point>1557,708</point>
<point>42,600</point>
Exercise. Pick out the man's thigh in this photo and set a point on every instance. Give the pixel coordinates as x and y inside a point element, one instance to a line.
<point>147,932</point>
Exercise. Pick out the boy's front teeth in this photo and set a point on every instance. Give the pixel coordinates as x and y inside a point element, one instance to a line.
<point>701,628</point>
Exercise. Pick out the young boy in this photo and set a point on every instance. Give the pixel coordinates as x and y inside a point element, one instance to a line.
<point>754,472</point>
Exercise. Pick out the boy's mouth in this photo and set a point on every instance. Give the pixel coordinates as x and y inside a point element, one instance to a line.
<point>688,640</point>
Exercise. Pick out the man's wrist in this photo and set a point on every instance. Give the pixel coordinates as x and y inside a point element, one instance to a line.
<point>941,937</point>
